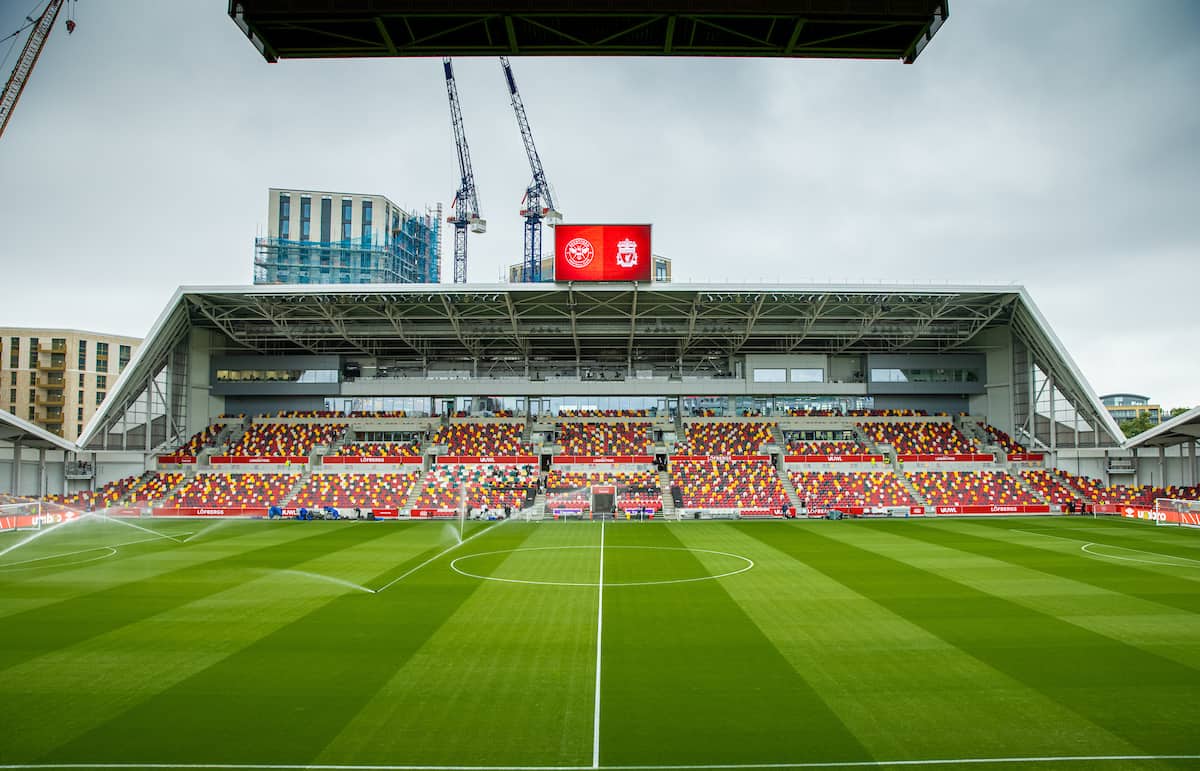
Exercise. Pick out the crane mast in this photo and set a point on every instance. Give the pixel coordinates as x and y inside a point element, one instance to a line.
<point>539,200</point>
<point>466,200</point>
<point>27,60</point>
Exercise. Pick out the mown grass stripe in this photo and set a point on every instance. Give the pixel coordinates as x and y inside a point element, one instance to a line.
<point>59,625</point>
<point>1150,701</point>
<point>141,563</point>
<point>1050,557</point>
<point>689,678</point>
<point>506,679</point>
<point>887,679</point>
<point>287,708</point>
<point>87,684</point>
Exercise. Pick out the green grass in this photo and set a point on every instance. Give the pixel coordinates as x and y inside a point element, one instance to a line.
<point>263,643</point>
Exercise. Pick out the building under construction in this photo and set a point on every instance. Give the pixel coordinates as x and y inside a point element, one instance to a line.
<point>320,237</point>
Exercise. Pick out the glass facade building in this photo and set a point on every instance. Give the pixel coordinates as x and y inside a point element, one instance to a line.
<point>348,247</point>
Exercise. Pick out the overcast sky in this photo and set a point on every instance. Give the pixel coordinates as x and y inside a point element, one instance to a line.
<point>1055,145</point>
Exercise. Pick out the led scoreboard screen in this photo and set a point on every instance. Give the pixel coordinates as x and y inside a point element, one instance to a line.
<point>602,253</point>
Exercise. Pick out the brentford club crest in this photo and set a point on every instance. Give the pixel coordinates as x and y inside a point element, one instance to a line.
<point>579,253</point>
<point>627,256</point>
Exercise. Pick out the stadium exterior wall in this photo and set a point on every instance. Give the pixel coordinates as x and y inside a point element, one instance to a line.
<point>55,482</point>
<point>203,406</point>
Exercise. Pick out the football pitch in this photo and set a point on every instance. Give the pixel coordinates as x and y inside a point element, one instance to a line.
<point>1006,643</point>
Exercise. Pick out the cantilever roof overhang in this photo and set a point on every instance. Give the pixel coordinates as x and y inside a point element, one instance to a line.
<point>602,323</point>
<point>1180,429</point>
<point>861,29</point>
<point>14,429</point>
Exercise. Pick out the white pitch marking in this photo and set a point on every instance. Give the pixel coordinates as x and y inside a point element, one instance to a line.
<point>599,648</point>
<point>12,567</point>
<point>716,767</point>
<point>4,567</point>
<point>454,566</point>
<point>1085,550</point>
<point>447,550</point>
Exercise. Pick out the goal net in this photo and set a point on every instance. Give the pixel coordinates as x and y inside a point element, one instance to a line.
<point>21,516</point>
<point>1174,511</point>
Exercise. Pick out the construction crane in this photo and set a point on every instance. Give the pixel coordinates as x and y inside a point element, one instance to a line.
<point>538,203</point>
<point>466,200</point>
<point>29,56</point>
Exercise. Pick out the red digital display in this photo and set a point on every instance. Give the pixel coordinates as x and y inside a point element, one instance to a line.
<point>602,253</point>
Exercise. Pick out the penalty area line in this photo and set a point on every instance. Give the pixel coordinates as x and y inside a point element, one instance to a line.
<point>434,558</point>
<point>696,767</point>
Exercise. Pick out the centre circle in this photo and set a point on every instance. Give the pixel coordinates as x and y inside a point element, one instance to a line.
<point>580,565</point>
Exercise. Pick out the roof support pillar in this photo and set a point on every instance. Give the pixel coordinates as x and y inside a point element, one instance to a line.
<point>16,467</point>
<point>41,488</point>
<point>149,404</point>
<point>1053,420</point>
<point>1191,463</point>
<point>1162,465</point>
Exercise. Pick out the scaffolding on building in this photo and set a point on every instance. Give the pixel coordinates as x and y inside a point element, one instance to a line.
<point>410,253</point>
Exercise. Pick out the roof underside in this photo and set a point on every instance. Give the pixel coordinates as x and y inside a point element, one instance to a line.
<point>860,29</point>
<point>1180,429</point>
<point>678,326</point>
<point>14,429</point>
<point>593,323</point>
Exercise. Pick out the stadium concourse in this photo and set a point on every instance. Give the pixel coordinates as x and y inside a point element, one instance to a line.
<point>612,401</point>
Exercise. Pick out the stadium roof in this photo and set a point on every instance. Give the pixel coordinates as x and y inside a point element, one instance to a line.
<point>13,429</point>
<point>1178,430</point>
<point>862,29</point>
<point>664,324</point>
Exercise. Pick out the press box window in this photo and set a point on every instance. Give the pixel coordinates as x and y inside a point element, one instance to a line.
<point>927,375</point>
<point>770,376</point>
<point>277,376</point>
<point>808,376</point>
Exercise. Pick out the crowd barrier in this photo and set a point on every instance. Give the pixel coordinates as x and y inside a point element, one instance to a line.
<point>600,460</point>
<point>931,458</point>
<point>502,460</point>
<point>368,460</point>
<point>834,459</point>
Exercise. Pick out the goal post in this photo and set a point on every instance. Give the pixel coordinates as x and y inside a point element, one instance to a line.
<point>1176,511</point>
<point>21,516</point>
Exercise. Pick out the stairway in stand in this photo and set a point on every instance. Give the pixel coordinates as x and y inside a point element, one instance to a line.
<point>664,486</point>
<point>417,487</point>
<point>789,488</point>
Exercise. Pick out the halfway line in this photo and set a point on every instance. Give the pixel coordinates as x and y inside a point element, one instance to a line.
<point>599,644</point>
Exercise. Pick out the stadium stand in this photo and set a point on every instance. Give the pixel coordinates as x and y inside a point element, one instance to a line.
<point>727,484</point>
<point>1051,486</point>
<point>265,439</point>
<point>154,486</point>
<point>725,438</point>
<point>481,439</point>
<point>961,488</point>
<point>378,450</point>
<point>199,441</point>
<point>235,490</point>
<point>828,448</point>
<point>894,413</point>
<point>495,486</point>
<point>108,495</point>
<point>1001,438</point>
<point>849,488</point>
<point>572,489</point>
<point>356,490</point>
<point>605,438</point>
<point>918,437</point>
